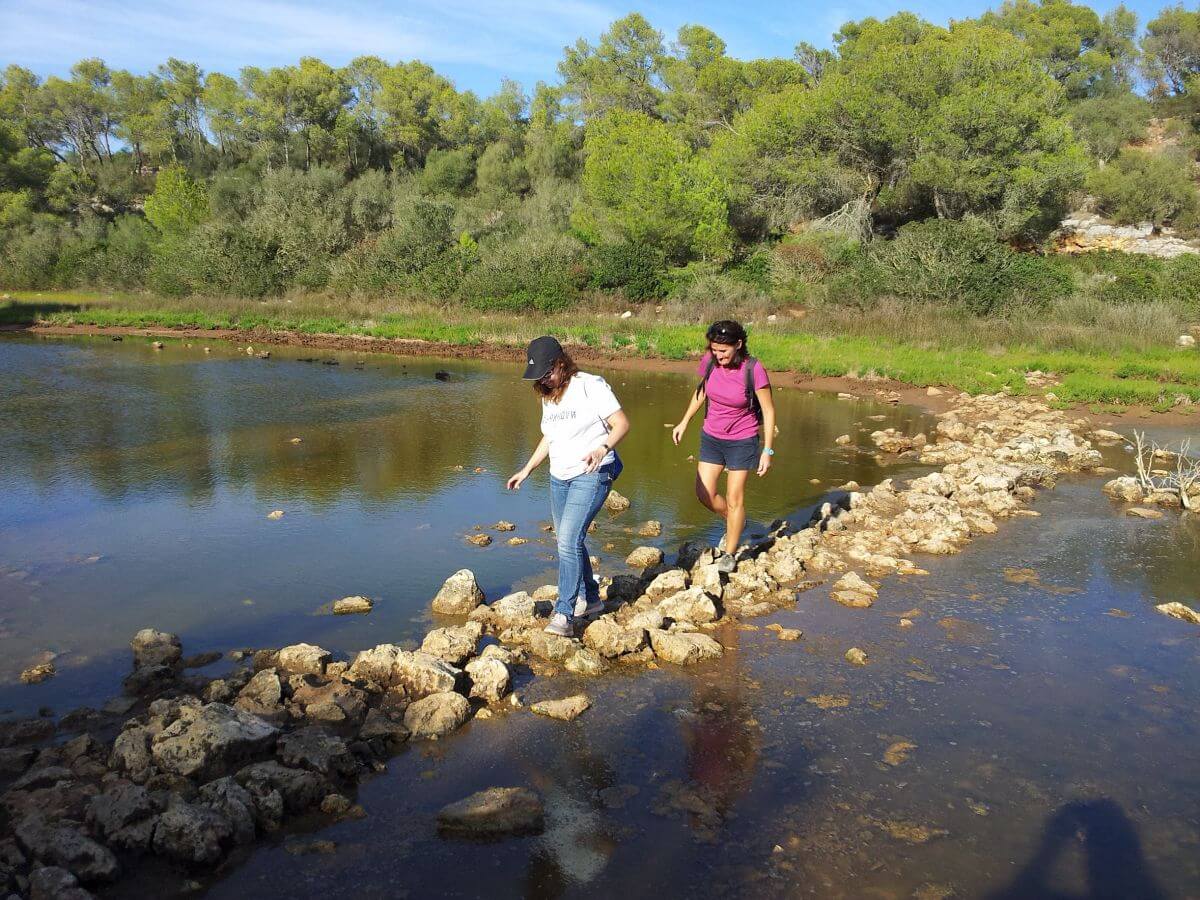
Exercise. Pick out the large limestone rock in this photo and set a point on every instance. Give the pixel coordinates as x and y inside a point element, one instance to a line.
<point>332,702</point>
<point>1125,488</point>
<point>67,848</point>
<point>611,640</point>
<point>492,813</point>
<point>436,715</point>
<point>131,752</point>
<point>692,605</point>
<point>586,662</point>
<point>667,583</point>
<point>417,673</point>
<point>155,648</point>
<point>231,800</point>
<point>684,649</point>
<point>459,595</point>
<point>192,833</point>
<point>276,788</point>
<point>490,678</point>
<point>512,610</point>
<point>317,749</point>
<point>262,695</point>
<point>552,647</point>
<point>303,659</point>
<point>124,816</point>
<point>209,742</point>
<point>452,645</point>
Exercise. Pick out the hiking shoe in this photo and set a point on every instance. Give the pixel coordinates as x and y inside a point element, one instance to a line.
<point>584,609</point>
<point>560,625</point>
<point>726,563</point>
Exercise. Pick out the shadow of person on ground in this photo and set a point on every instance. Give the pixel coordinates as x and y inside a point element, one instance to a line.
<point>18,316</point>
<point>1114,866</point>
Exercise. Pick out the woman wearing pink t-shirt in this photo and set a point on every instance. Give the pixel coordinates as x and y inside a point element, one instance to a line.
<point>739,411</point>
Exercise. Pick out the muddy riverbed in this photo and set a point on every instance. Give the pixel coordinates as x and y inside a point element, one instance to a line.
<point>1029,735</point>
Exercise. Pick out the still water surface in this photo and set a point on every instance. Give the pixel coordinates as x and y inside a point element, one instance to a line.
<point>1042,732</point>
<point>137,484</point>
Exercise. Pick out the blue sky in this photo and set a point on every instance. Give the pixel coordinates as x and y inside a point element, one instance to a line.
<point>474,43</point>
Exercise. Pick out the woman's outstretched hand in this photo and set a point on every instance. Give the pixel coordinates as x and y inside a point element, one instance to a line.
<point>514,483</point>
<point>764,464</point>
<point>677,432</point>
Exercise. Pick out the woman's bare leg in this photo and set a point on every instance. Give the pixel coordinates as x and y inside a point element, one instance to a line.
<point>735,508</point>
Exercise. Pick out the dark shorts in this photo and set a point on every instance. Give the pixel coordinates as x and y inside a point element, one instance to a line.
<point>737,456</point>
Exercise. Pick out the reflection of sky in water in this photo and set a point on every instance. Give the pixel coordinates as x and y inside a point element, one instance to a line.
<point>165,464</point>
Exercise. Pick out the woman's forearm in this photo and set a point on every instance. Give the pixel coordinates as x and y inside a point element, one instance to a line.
<point>767,402</point>
<point>539,455</point>
<point>693,407</point>
<point>618,424</point>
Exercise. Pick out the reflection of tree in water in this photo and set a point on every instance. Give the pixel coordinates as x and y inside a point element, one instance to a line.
<point>1114,866</point>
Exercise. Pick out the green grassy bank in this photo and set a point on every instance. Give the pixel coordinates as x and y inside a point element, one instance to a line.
<point>1101,363</point>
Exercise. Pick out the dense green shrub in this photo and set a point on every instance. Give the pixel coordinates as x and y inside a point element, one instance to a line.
<point>523,275</point>
<point>1182,282</point>
<point>448,171</point>
<point>129,252</point>
<point>807,258</point>
<point>1106,124</point>
<point>963,264</point>
<point>1147,187</point>
<point>636,269</point>
<point>305,216</point>
<point>28,255</point>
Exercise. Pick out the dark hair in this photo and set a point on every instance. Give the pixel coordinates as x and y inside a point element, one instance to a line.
<point>729,332</point>
<point>564,369</point>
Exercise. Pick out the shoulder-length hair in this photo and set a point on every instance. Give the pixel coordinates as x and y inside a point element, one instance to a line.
<point>563,370</point>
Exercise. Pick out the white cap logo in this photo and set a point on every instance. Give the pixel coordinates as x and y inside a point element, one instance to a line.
<point>531,360</point>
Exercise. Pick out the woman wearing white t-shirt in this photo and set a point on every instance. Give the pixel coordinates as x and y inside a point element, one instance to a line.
<point>582,423</point>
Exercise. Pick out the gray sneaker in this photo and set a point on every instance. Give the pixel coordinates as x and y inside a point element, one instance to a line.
<point>584,610</point>
<point>560,625</point>
<point>726,563</point>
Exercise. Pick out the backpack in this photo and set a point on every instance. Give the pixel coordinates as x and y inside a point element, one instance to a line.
<point>751,398</point>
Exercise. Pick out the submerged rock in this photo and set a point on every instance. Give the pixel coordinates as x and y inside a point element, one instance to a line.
<point>317,749</point>
<point>37,674</point>
<point>854,591</point>
<point>492,813</point>
<point>567,709</point>
<point>353,606</point>
<point>1177,610</point>
<point>856,657</point>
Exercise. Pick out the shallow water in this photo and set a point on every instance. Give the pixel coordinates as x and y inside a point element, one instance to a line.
<point>136,487</point>
<point>1042,729</point>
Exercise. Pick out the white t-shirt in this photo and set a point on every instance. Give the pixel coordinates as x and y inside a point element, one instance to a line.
<point>576,424</point>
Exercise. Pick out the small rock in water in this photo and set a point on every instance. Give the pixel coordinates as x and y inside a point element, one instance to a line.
<point>275,514</point>
<point>352,605</point>
<point>856,657</point>
<point>854,591</point>
<point>479,540</point>
<point>898,752</point>
<point>296,440</point>
<point>651,528</point>
<point>492,813</point>
<point>157,345</point>
<point>502,525</point>
<point>616,502</point>
<point>459,594</point>
<point>517,541</point>
<point>566,709</point>
<point>906,623</point>
<point>644,557</point>
<point>1139,512</point>
<point>841,441</point>
<point>790,634</point>
<point>37,674</point>
<point>442,375</point>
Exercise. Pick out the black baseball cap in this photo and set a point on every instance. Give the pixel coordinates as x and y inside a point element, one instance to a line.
<point>541,354</point>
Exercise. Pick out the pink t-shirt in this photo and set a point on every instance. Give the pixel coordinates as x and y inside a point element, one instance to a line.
<point>730,414</point>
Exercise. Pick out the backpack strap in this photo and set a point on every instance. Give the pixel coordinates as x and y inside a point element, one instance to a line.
<point>751,396</point>
<point>703,385</point>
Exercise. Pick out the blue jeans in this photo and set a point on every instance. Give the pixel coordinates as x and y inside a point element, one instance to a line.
<point>573,504</point>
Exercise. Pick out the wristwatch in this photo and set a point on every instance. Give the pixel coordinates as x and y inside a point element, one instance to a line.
<point>770,452</point>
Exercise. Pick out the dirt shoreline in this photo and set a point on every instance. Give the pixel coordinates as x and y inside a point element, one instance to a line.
<point>871,389</point>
